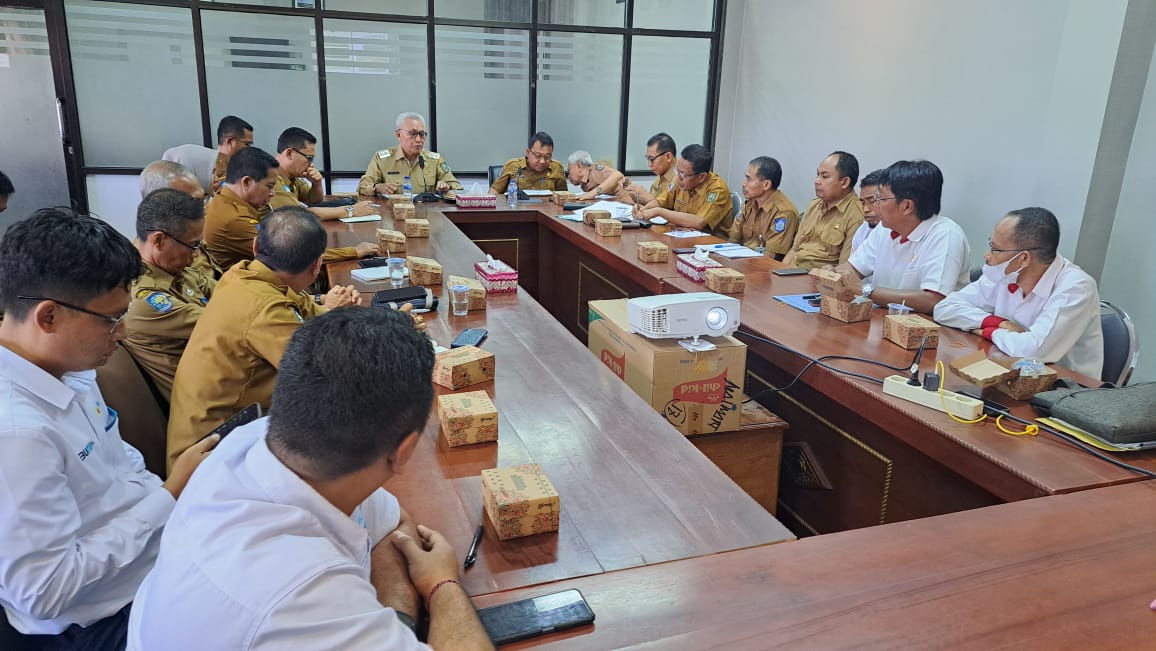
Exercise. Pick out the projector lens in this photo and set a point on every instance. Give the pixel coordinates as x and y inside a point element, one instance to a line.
<point>716,318</point>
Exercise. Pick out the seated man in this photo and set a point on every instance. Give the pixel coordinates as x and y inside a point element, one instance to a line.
<point>1030,301</point>
<point>830,221</point>
<point>867,191</point>
<point>167,174</point>
<point>537,170</point>
<point>595,178</point>
<point>660,155</point>
<point>698,199</point>
<point>199,160</point>
<point>299,183</point>
<point>169,296</point>
<point>233,135</point>
<point>232,356</point>
<point>768,218</point>
<point>231,218</point>
<point>287,538</point>
<point>80,517</point>
<point>427,170</point>
<point>6,190</point>
<point>919,256</point>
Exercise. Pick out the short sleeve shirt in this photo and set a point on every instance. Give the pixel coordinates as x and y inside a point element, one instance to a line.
<point>711,201</point>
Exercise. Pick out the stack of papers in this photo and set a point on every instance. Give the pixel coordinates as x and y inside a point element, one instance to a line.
<point>358,220</point>
<point>731,250</point>
<point>539,193</point>
<point>370,274</point>
<point>681,234</point>
<point>616,209</point>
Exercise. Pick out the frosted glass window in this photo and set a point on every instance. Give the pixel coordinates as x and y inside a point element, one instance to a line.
<point>668,81</point>
<point>515,11</point>
<point>692,15</point>
<point>283,4</point>
<point>399,7</point>
<point>579,88</point>
<point>263,69</point>
<point>136,80</point>
<point>597,13</point>
<point>373,72</point>
<point>482,95</point>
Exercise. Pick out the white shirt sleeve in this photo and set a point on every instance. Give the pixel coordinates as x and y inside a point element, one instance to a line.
<point>45,565</point>
<point>967,308</point>
<point>940,271</point>
<point>1059,325</point>
<point>864,256</point>
<point>382,514</point>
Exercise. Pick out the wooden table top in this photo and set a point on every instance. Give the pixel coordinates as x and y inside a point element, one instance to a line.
<point>633,490</point>
<point>1062,572</point>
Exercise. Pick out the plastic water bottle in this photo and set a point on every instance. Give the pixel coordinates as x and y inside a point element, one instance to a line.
<point>407,188</point>
<point>512,193</point>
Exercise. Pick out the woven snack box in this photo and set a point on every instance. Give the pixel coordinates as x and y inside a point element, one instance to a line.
<point>591,216</point>
<point>424,271</point>
<point>477,291</point>
<point>833,285</point>
<point>694,269</point>
<point>1002,374</point>
<point>908,330</point>
<point>845,311</point>
<point>416,228</point>
<point>562,197</point>
<point>404,210</point>
<point>496,276</point>
<point>725,280</point>
<point>464,366</point>
<point>395,199</point>
<point>608,227</point>
<point>520,501</point>
<point>390,241</point>
<point>653,252</point>
<point>467,418</point>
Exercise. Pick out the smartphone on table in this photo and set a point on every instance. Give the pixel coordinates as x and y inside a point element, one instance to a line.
<point>528,618</point>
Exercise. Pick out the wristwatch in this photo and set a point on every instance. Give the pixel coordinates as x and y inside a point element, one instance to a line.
<point>318,298</point>
<point>867,289</point>
<point>349,210</point>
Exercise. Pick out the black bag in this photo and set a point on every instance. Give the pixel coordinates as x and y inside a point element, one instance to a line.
<point>420,297</point>
<point>1118,415</point>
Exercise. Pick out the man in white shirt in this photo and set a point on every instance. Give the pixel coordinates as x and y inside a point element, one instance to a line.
<point>79,514</point>
<point>283,539</point>
<point>918,256</point>
<point>1031,302</point>
<point>868,186</point>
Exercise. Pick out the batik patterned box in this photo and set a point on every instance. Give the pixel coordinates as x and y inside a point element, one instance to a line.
<point>725,280</point>
<point>496,276</point>
<point>404,210</point>
<point>390,241</point>
<point>908,330</point>
<point>416,227</point>
<point>468,418</point>
<point>608,227</point>
<point>845,311</point>
<point>424,271</point>
<point>477,291</point>
<point>461,367</point>
<point>653,252</point>
<point>520,501</point>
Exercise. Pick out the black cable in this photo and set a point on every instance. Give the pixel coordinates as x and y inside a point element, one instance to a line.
<point>809,358</point>
<point>1077,442</point>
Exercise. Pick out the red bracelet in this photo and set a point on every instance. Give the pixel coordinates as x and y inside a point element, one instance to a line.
<point>438,585</point>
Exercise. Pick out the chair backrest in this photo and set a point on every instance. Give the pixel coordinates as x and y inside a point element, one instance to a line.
<point>143,421</point>
<point>976,273</point>
<point>493,173</point>
<point>736,204</point>
<point>1121,346</point>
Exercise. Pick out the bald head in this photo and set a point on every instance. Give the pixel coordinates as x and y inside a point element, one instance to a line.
<point>167,174</point>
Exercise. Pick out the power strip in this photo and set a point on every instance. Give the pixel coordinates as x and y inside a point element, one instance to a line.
<point>965,407</point>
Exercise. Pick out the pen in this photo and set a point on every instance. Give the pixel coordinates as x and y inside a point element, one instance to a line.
<point>472,555</point>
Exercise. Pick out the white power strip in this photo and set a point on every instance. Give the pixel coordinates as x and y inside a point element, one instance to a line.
<point>965,407</point>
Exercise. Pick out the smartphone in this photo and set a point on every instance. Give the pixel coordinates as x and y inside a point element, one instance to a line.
<point>688,249</point>
<point>243,417</point>
<point>790,271</point>
<point>528,618</point>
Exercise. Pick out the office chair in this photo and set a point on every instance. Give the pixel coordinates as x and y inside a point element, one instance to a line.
<point>976,273</point>
<point>143,419</point>
<point>493,173</point>
<point>736,204</point>
<point>1121,346</point>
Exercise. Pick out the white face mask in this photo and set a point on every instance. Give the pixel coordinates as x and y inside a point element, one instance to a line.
<point>999,274</point>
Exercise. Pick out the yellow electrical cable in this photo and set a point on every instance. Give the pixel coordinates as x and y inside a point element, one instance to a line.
<point>1031,430</point>
<point>942,379</point>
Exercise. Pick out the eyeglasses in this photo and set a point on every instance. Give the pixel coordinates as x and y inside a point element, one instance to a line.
<point>115,321</point>
<point>414,133</point>
<point>686,176</point>
<point>194,246</point>
<point>303,154</point>
<point>991,247</point>
<point>876,200</point>
<point>651,159</point>
<point>542,157</point>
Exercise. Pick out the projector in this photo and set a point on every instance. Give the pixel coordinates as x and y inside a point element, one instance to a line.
<point>684,316</point>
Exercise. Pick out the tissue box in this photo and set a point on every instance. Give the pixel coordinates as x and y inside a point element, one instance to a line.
<point>390,241</point>
<point>591,216</point>
<point>653,252</point>
<point>562,197</point>
<point>403,210</point>
<point>846,311</point>
<point>416,227</point>
<point>832,284</point>
<point>694,269</point>
<point>520,501</point>
<point>999,373</point>
<point>908,330</point>
<point>725,280</point>
<point>424,271</point>
<point>468,418</point>
<point>477,201</point>
<point>608,227</point>
<point>477,291</point>
<point>461,367</point>
<point>496,276</point>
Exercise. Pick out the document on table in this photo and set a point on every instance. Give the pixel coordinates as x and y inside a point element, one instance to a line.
<point>358,220</point>
<point>539,193</point>
<point>731,250</point>
<point>800,302</point>
<point>681,234</point>
<point>617,210</point>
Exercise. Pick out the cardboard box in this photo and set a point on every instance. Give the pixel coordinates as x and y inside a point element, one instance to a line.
<point>694,269</point>
<point>695,392</point>
<point>395,199</point>
<point>390,241</point>
<point>562,197</point>
<point>459,368</point>
<point>404,210</point>
<point>416,227</point>
<point>1002,374</point>
<point>608,227</point>
<point>591,216</point>
<point>833,285</point>
<point>725,280</point>
<point>845,311</point>
<point>520,501</point>
<point>477,291</point>
<point>908,330</point>
<point>424,271</point>
<point>496,276</point>
<point>979,370</point>
<point>653,252</point>
<point>468,418</point>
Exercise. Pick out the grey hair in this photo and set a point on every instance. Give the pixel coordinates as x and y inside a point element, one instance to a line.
<point>580,157</point>
<point>161,174</point>
<point>408,116</point>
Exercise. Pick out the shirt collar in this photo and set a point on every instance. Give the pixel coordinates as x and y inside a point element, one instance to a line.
<point>1047,282</point>
<point>242,206</point>
<point>161,277</point>
<point>37,381</point>
<point>256,270</point>
<point>922,229</point>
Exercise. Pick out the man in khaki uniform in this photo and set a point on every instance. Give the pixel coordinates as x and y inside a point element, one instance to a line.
<point>699,198</point>
<point>299,183</point>
<point>427,170</point>
<point>176,176</point>
<point>537,170</point>
<point>595,178</point>
<point>232,356</point>
<point>768,218</point>
<point>830,222</point>
<point>233,135</point>
<point>660,158</point>
<point>169,296</point>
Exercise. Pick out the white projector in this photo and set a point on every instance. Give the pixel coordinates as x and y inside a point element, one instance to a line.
<point>684,316</point>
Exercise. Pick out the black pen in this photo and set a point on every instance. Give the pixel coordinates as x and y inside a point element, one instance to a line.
<point>472,555</point>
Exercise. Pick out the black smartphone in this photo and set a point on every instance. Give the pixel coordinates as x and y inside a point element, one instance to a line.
<point>790,271</point>
<point>243,417</point>
<point>687,249</point>
<point>369,263</point>
<point>528,618</point>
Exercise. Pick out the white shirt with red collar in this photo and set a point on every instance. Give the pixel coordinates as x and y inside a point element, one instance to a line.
<point>1061,315</point>
<point>932,257</point>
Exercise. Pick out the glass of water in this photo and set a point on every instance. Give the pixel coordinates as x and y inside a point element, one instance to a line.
<point>460,299</point>
<point>396,271</point>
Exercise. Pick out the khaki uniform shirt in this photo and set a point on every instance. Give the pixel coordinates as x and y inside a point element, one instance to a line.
<point>711,200</point>
<point>554,178</point>
<point>598,175</point>
<point>825,233</point>
<point>160,319</point>
<point>288,192</point>
<point>390,166</point>
<point>662,183</point>
<point>231,225</point>
<point>232,356</point>
<point>219,169</point>
<point>776,220</point>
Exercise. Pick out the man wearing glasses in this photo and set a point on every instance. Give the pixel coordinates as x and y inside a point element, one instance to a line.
<point>80,517</point>
<point>831,219</point>
<point>233,135</point>
<point>536,171</point>
<point>298,183</point>
<point>1030,301</point>
<point>660,155</point>
<point>699,198</point>
<point>427,170</point>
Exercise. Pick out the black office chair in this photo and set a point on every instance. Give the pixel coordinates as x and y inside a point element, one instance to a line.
<point>976,273</point>
<point>494,172</point>
<point>1121,346</point>
<point>736,204</point>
